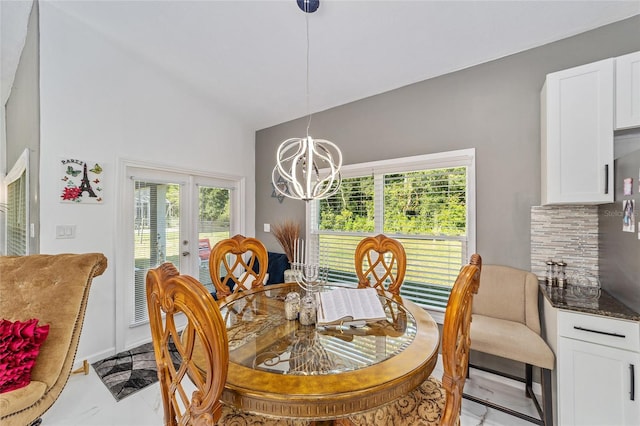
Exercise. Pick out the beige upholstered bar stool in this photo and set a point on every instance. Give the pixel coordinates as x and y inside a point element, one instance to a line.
<point>506,323</point>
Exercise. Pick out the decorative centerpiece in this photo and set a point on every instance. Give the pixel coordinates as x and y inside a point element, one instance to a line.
<point>308,272</point>
<point>287,234</point>
<point>584,286</point>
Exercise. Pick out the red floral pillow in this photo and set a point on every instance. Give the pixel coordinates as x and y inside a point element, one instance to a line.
<point>19,346</point>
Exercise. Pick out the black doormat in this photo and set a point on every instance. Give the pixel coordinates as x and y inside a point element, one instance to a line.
<point>127,372</point>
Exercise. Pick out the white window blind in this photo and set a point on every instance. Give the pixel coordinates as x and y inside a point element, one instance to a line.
<point>17,208</point>
<point>427,203</point>
<point>17,219</point>
<point>157,235</point>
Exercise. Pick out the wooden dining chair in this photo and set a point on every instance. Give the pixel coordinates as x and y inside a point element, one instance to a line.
<point>193,363</point>
<point>170,293</point>
<point>437,402</point>
<point>380,261</point>
<point>233,263</point>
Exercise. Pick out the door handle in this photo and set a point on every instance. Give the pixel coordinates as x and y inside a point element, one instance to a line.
<point>606,333</point>
<point>186,253</point>
<point>632,387</point>
<point>606,178</point>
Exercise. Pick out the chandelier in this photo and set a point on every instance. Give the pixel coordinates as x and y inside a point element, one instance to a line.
<point>306,168</point>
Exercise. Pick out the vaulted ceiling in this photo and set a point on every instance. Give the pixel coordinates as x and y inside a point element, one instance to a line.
<point>249,57</point>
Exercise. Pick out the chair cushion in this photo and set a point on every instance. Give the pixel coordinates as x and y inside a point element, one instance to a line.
<point>503,293</point>
<point>19,346</point>
<point>278,263</point>
<point>517,341</point>
<point>19,399</point>
<point>422,406</point>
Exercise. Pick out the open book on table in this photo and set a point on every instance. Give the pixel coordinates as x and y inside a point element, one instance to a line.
<point>349,307</point>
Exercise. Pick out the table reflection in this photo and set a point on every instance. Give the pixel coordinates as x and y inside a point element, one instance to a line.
<point>262,339</point>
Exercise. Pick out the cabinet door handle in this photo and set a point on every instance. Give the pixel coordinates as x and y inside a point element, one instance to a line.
<point>632,390</point>
<point>606,333</point>
<point>606,178</point>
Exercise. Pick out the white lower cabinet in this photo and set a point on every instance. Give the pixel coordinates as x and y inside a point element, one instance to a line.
<point>595,384</point>
<point>598,370</point>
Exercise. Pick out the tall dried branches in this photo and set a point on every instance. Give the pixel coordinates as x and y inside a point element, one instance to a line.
<point>286,232</point>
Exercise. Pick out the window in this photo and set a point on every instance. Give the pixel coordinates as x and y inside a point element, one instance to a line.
<point>17,208</point>
<point>425,202</point>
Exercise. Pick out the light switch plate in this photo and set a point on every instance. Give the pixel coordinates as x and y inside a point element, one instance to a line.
<point>65,231</point>
<point>267,227</point>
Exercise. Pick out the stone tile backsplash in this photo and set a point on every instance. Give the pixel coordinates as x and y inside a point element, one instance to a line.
<point>568,233</point>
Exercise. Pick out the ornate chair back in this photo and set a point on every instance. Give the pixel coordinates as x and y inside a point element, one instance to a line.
<point>170,293</point>
<point>232,263</point>
<point>380,261</point>
<point>435,402</point>
<point>456,341</point>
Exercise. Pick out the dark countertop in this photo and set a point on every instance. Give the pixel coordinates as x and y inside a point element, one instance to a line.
<point>606,305</point>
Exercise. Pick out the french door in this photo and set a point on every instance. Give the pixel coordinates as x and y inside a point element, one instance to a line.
<point>173,217</point>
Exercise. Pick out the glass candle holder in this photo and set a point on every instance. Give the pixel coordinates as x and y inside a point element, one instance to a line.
<point>291,306</point>
<point>549,276</point>
<point>561,273</point>
<point>307,311</point>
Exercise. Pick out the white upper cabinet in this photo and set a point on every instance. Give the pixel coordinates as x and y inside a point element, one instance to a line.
<point>628,91</point>
<point>577,135</point>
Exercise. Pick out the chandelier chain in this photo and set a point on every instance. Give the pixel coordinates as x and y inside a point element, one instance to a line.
<point>307,83</point>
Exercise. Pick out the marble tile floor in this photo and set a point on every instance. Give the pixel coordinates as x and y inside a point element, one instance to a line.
<point>86,402</point>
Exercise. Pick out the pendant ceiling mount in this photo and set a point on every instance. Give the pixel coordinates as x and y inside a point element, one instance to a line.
<point>308,6</point>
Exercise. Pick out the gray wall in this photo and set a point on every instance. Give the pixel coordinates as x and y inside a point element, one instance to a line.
<point>494,107</point>
<point>23,119</point>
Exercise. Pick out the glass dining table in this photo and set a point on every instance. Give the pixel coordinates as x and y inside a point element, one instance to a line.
<point>281,368</point>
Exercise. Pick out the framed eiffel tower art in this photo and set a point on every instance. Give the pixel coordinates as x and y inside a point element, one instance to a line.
<point>81,181</point>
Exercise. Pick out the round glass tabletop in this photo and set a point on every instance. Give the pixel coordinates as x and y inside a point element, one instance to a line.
<point>261,338</point>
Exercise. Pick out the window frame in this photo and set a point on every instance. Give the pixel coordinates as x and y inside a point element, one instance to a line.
<point>447,159</point>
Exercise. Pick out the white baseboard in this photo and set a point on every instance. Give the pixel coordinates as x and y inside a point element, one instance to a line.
<point>93,357</point>
<point>138,343</point>
<point>99,356</point>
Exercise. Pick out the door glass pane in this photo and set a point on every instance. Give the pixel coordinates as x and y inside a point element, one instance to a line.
<point>156,234</point>
<point>213,226</point>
